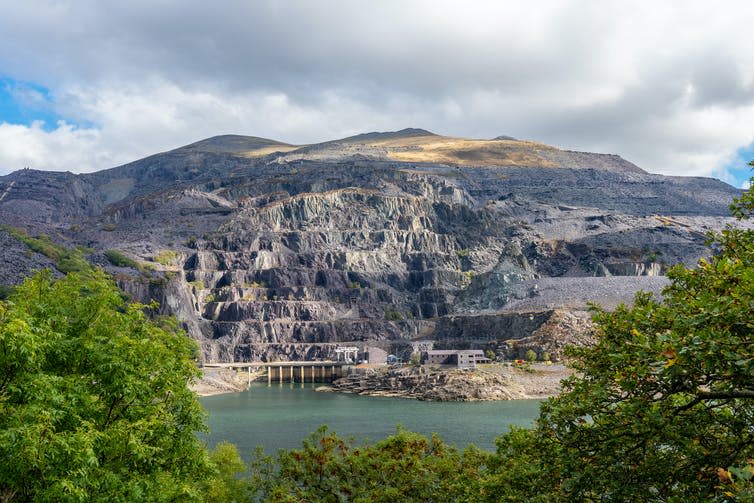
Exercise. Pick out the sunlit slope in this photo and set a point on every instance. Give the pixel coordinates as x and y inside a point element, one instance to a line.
<point>420,146</point>
<point>246,146</point>
<point>466,152</point>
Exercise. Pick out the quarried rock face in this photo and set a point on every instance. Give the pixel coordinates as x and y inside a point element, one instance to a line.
<point>268,251</point>
<point>511,335</point>
<point>343,266</point>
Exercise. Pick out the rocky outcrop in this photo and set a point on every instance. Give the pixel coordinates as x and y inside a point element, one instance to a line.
<point>218,381</point>
<point>445,385</point>
<point>18,262</point>
<point>510,335</point>
<point>392,239</point>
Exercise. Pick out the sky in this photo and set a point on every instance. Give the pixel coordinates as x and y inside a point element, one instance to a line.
<point>91,84</point>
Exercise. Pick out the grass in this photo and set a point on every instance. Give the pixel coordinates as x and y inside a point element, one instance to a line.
<point>119,259</point>
<point>166,257</point>
<point>466,152</point>
<point>66,259</point>
<point>392,314</point>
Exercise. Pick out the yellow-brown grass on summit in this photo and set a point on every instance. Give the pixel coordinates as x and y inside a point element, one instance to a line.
<point>465,152</point>
<point>263,151</point>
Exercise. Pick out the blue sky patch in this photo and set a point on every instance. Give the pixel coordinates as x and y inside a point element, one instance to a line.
<point>739,167</point>
<point>25,102</point>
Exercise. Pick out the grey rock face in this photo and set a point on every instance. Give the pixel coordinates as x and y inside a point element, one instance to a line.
<point>267,251</point>
<point>17,261</point>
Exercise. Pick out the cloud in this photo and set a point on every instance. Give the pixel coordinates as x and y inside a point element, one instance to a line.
<point>64,148</point>
<point>668,86</point>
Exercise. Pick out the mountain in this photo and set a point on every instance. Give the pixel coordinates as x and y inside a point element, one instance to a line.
<point>267,250</point>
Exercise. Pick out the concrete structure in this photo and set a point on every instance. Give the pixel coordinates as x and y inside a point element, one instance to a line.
<point>466,358</point>
<point>376,356</point>
<point>319,371</point>
<point>348,354</point>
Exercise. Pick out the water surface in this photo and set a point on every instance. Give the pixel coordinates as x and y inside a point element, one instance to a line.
<point>281,416</point>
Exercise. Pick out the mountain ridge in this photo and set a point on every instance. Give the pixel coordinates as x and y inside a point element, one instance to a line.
<point>398,239</point>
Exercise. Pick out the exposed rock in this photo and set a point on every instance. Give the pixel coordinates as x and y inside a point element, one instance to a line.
<point>447,384</point>
<point>269,251</point>
<point>218,381</point>
<point>18,262</point>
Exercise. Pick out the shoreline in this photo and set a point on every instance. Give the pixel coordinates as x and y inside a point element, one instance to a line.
<point>489,382</point>
<point>218,381</point>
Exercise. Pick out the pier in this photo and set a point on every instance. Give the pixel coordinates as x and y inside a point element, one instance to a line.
<point>298,371</point>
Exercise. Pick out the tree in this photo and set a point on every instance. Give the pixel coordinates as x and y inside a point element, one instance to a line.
<point>403,467</point>
<point>94,403</point>
<point>662,406</point>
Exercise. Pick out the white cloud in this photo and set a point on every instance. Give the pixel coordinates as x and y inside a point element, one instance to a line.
<point>746,185</point>
<point>65,148</point>
<point>669,86</point>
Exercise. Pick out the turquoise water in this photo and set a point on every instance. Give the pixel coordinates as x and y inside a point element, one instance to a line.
<point>281,416</point>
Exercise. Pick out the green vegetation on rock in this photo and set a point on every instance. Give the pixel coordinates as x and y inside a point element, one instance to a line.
<point>120,259</point>
<point>66,259</point>
<point>392,314</point>
<point>166,257</point>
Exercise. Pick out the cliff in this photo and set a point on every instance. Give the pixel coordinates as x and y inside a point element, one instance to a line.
<point>403,240</point>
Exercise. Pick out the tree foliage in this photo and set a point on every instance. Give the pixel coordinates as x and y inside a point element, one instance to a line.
<point>662,407</point>
<point>403,467</point>
<point>94,403</point>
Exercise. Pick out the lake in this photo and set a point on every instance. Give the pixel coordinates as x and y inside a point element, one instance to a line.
<point>280,416</point>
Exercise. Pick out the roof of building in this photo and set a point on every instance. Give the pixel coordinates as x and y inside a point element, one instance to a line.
<point>449,352</point>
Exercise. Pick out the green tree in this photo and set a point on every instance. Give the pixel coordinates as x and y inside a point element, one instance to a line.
<point>662,406</point>
<point>94,404</point>
<point>403,467</point>
<point>226,482</point>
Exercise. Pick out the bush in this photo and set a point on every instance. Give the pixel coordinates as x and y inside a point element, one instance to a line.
<point>119,259</point>
<point>403,467</point>
<point>392,314</point>
<point>166,257</point>
<point>66,259</point>
<point>6,291</point>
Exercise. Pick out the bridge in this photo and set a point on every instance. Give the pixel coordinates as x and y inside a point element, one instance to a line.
<point>318,370</point>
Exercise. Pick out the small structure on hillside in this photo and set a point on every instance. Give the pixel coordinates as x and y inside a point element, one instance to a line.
<point>348,354</point>
<point>376,356</point>
<point>392,360</point>
<point>461,358</point>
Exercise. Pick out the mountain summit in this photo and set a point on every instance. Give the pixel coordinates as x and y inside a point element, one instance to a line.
<point>399,240</point>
